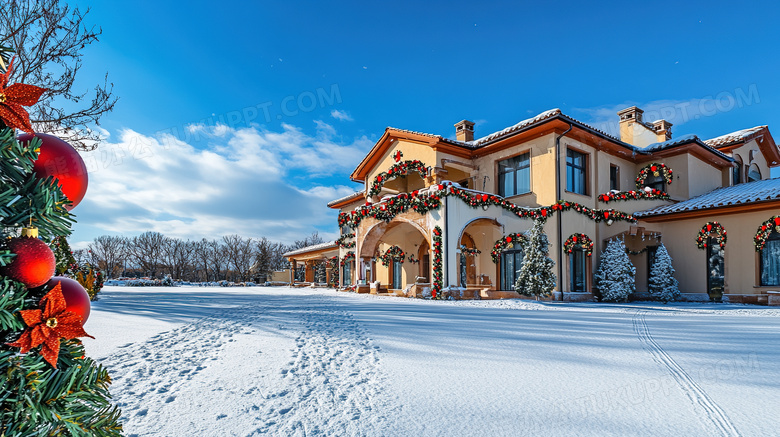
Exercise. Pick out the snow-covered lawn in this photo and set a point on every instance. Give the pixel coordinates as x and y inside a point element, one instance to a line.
<point>190,361</point>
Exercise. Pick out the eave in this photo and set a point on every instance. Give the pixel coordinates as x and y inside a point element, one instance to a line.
<point>708,212</point>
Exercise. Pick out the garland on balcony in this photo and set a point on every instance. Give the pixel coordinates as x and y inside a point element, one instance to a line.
<point>431,200</point>
<point>394,253</point>
<point>333,264</point>
<point>578,241</point>
<point>762,234</point>
<point>350,256</point>
<point>709,229</point>
<point>636,252</point>
<point>645,193</point>
<point>472,251</point>
<point>656,169</point>
<point>396,170</point>
<point>438,282</point>
<point>341,241</point>
<point>504,242</point>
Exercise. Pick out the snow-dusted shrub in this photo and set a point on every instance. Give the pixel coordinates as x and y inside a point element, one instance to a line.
<point>662,285</point>
<point>536,274</point>
<point>616,276</point>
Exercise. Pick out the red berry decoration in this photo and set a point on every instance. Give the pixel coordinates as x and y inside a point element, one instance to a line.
<point>63,162</point>
<point>76,298</point>
<point>33,264</point>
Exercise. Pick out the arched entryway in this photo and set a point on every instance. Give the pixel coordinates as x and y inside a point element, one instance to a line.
<point>475,266</point>
<point>380,258</point>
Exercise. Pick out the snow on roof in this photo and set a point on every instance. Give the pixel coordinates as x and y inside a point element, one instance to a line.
<point>734,137</point>
<point>742,194</point>
<point>354,195</point>
<point>515,127</point>
<point>321,246</point>
<point>690,138</point>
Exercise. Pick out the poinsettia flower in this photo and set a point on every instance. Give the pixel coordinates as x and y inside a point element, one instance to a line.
<point>12,99</point>
<point>47,326</point>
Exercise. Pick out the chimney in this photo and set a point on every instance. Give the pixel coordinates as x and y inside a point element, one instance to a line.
<point>663,130</point>
<point>464,130</point>
<point>629,117</point>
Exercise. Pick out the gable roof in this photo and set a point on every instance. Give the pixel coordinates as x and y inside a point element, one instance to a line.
<point>314,248</point>
<point>683,140</point>
<point>346,200</point>
<point>734,137</point>
<point>741,194</point>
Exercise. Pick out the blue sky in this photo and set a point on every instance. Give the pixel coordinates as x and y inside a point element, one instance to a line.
<point>247,117</point>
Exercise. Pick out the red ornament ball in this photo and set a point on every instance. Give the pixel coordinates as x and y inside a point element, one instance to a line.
<point>33,264</point>
<point>63,162</point>
<point>76,298</point>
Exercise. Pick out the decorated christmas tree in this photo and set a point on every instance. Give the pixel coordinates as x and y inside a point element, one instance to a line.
<point>49,386</point>
<point>536,275</point>
<point>615,277</point>
<point>662,284</point>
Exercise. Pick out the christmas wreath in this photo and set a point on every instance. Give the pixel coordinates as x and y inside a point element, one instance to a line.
<point>762,234</point>
<point>578,241</point>
<point>342,241</point>
<point>503,243</point>
<point>398,155</point>
<point>413,260</point>
<point>656,169</point>
<point>350,256</point>
<point>709,229</point>
<point>438,282</point>
<point>396,170</point>
<point>394,253</point>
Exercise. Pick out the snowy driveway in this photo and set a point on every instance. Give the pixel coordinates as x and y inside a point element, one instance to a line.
<point>276,361</point>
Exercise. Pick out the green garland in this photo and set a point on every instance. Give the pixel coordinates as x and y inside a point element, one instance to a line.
<point>763,232</point>
<point>578,240</point>
<point>431,200</point>
<point>333,264</point>
<point>472,251</point>
<point>652,194</point>
<point>393,253</point>
<point>350,256</point>
<point>341,241</point>
<point>656,169</point>
<point>413,260</point>
<point>707,230</point>
<point>438,281</point>
<point>396,170</point>
<point>504,242</point>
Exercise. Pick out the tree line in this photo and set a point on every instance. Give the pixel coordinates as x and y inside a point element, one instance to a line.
<point>152,254</point>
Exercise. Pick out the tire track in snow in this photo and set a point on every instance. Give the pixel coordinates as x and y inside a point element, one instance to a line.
<point>711,411</point>
<point>147,376</point>
<point>333,384</point>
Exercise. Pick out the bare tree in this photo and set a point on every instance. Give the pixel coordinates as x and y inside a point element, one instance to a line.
<point>217,258</point>
<point>49,38</point>
<point>109,254</point>
<point>311,240</point>
<point>241,254</point>
<point>200,258</point>
<point>147,251</point>
<point>177,256</point>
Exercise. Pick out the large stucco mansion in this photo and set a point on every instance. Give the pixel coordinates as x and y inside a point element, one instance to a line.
<point>446,217</point>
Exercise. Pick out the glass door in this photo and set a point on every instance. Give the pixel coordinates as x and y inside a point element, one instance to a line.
<point>715,270</point>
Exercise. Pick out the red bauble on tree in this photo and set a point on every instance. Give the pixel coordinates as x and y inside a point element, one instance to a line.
<point>76,298</point>
<point>63,162</point>
<point>33,264</point>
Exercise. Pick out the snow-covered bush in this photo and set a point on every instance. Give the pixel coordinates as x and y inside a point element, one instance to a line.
<point>662,285</point>
<point>536,276</point>
<point>616,276</point>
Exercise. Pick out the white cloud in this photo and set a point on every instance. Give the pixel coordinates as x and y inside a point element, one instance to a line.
<point>341,115</point>
<point>249,181</point>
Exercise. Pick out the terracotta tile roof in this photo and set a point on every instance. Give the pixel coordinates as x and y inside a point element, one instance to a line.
<point>354,195</point>
<point>314,248</point>
<point>734,137</point>
<point>685,139</point>
<point>741,194</point>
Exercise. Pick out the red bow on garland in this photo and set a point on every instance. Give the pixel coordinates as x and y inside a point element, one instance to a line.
<point>48,326</point>
<point>12,99</point>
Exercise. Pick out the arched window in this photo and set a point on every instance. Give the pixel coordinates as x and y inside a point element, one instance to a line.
<point>754,173</point>
<point>736,172</point>
<point>770,260</point>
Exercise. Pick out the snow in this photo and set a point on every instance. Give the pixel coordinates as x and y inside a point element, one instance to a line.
<point>294,362</point>
<point>733,137</point>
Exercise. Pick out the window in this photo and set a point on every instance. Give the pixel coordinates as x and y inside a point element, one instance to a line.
<point>397,274</point>
<point>614,177</point>
<point>656,182</point>
<point>464,183</point>
<point>578,267</point>
<point>651,251</point>
<point>770,261</point>
<point>425,266</point>
<point>576,172</point>
<point>754,173</point>
<point>514,175</point>
<point>347,276</point>
<point>736,172</point>
<point>511,261</point>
